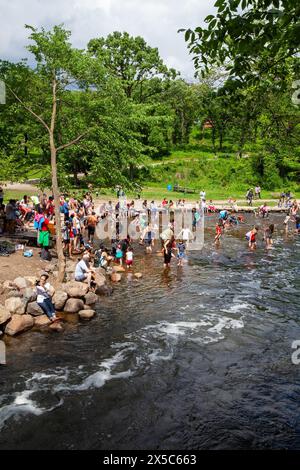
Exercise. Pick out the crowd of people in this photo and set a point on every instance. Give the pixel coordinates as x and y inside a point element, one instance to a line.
<point>79,220</point>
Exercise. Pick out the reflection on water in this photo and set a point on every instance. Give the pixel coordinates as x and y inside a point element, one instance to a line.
<point>191,357</point>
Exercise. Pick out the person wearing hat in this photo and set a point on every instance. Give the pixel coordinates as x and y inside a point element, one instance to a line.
<point>44,300</point>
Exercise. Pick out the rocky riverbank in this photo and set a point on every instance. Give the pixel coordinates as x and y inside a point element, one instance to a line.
<point>19,310</point>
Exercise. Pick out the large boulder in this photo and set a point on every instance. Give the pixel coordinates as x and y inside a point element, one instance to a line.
<point>70,266</point>
<point>14,293</point>
<point>19,323</point>
<point>31,280</point>
<point>20,282</point>
<point>104,290</point>
<point>4,315</point>
<point>8,285</point>
<point>16,305</point>
<point>34,309</point>
<point>90,298</point>
<point>73,305</point>
<point>42,320</point>
<point>56,326</point>
<point>29,294</point>
<point>99,278</point>
<point>59,299</point>
<point>76,289</point>
<point>86,314</point>
<point>116,277</point>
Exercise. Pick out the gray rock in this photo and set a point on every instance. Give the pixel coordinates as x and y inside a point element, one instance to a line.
<point>86,314</point>
<point>104,290</point>
<point>19,323</point>
<point>90,298</point>
<point>59,299</point>
<point>73,305</point>
<point>34,309</point>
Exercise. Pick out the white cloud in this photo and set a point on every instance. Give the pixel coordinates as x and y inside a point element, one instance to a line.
<point>155,20</point>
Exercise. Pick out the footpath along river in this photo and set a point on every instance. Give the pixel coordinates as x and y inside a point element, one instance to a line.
<point>195,358</point>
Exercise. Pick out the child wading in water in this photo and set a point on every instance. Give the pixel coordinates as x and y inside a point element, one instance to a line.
<point>119,253</point>
<point>268,236</point>
<point>180,252</point>
<point>251,237</point>
<point>219,227</point>
<point>129,257</point>
<point>168,253</point>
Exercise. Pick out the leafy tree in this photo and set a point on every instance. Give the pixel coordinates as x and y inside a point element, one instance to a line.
<point>58,67</point>
<point>254,39</point>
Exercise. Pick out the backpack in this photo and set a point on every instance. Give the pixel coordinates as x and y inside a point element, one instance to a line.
<point>38,221</point>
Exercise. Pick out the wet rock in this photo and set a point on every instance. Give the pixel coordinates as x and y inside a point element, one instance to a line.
<point>73,305</point>
<point>42,320</point>
<point>138,275</point>
<point>59,299</point>
<point>4,314</point>
<point>90,298</point>
<point>15,305</point>
<point>34,309</point>
<point>86,307</point>
<point>76,289</point>
<point>116,277</point>
<point>19,323</point>
<point>20,283</point>
<point>86,314</point>
<point>118,269</point>
<point>104,290</point>
<point>56,326</point>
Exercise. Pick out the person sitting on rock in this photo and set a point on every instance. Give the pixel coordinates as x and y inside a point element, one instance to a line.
<point>43,289</point>
<point>83,272</point>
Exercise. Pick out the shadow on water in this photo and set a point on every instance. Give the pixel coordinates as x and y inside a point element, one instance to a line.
<point>197,357</point>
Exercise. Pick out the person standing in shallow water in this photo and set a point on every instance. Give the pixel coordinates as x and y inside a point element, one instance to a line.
<point>268,236</point>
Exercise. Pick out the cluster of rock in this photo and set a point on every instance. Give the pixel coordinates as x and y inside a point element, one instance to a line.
<point>21,310</point>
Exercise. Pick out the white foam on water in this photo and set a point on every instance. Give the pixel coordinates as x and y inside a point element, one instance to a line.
<point>236,308</point>
<point>227,323</point>
<point>180,328</point>
<point>101,376</point>
<point>22,404</point>
<point>157,355</point>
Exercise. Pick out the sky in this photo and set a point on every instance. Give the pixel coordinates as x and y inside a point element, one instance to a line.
<point>157,21</point>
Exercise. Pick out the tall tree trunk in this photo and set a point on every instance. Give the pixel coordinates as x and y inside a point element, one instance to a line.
<point>59,244</point>
<point>55,189</point>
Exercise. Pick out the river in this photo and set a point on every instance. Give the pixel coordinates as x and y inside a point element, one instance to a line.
<point>197,357</point>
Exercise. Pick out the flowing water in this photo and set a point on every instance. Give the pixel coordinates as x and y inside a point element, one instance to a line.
<point>198,357</point>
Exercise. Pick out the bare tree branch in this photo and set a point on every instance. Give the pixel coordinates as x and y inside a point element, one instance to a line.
<point>72,142</point>
<point>29,109</point>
